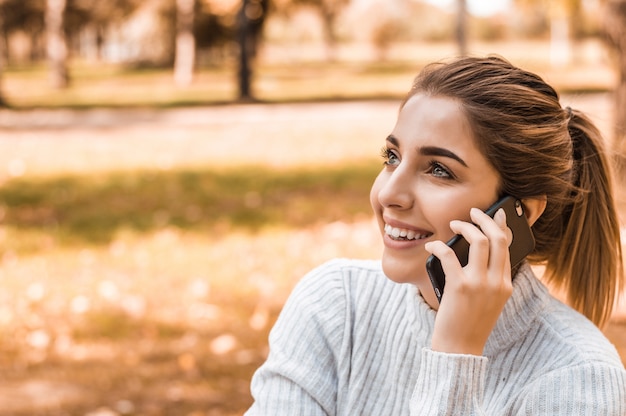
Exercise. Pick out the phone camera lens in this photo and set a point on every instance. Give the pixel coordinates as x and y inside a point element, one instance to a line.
<point>519,208</point>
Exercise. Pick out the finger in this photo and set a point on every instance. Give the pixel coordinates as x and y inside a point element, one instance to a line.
<point>478,256</point>
<point>500,219</point>
<point>494,230</point>
<point>449,262</point>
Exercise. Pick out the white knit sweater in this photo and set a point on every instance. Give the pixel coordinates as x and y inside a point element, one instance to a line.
<point>351,342</point>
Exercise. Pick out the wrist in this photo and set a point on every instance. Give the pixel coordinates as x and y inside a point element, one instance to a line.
<point>452,346</point>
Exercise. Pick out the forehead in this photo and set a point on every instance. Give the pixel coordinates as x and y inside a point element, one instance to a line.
<point>435,121</point>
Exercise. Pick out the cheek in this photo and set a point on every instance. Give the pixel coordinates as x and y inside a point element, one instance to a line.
<point>455,206</point>
<point>440,206</point>
<point>374,191</point>
<point>438,213</point>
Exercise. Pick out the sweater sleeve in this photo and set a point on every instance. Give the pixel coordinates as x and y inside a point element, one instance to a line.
<point>453,384</point>
<point>299,376</point>
<point>586,389</point>
<point>449,384</point>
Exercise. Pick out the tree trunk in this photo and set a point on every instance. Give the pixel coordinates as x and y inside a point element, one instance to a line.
<point>619,137</point>
<point>562,13</point>
<point>615,27</point>
<point>330,38</point>
<point>559,41</point>
<point>461,27</point>
<point>185,42</point>
<point>56,43</point>
<point>243,38</point>
<point>2,53</point>
<point>99,42</point>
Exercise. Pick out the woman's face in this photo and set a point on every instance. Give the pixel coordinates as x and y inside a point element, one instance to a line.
<point>433,173</point>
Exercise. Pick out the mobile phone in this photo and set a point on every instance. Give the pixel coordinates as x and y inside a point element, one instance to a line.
<point>523,241</point>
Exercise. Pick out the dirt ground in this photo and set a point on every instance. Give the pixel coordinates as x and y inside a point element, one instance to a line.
<point>184,370</point>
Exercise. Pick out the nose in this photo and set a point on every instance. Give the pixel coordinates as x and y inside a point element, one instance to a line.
<point>396,191</point>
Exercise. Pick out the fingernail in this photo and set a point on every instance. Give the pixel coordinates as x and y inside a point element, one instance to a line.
<point>501,215</point>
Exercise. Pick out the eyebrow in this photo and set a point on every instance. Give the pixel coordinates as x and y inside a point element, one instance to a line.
<point>431,150</point>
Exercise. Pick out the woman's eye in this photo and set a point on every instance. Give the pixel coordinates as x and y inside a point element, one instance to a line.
<point>389,157</point>
<point>438,170</point>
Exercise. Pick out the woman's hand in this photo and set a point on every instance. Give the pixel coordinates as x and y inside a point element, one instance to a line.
<point>475,295</point>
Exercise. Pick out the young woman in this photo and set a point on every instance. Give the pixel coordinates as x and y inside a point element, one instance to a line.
<point>371,338</point>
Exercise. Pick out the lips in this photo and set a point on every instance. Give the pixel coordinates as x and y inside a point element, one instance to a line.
<point>400,234</point>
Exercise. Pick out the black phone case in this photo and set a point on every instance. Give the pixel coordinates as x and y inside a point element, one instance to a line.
<point>522,245</point>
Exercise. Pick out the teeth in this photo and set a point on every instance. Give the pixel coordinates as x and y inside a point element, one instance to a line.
<point>400,233</point>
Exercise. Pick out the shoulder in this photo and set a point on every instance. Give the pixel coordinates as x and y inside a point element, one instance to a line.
<point>564,360</point>
<point>577,335</point>
<point>340,276</point>
<point>337,291</point>
<point>347,268</point>
<point>579,367</point>
<point>339,284</point>
<point>310,343</point>
<point>320,311</point>
<point>563,333</point>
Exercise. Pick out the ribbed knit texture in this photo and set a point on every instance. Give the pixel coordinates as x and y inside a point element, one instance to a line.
<point>351,342</point>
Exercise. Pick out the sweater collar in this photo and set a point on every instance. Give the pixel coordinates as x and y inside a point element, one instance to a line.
<point>521,310</point>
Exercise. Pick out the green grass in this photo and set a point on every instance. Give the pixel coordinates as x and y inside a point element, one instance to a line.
<point>110,85</point>
<point>92,209</point>
<point>115,325</point>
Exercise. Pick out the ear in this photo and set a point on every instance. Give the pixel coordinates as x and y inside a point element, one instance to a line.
<point>534,207</point>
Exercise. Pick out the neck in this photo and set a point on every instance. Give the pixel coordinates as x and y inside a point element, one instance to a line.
<point>428,293</point>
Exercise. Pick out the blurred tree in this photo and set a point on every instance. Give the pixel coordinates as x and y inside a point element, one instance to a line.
<point>97,15</point>
<point>26,16</point>
<point>531,19</point>
<point>384,34</point>
<point>615,27</point>
<point>56,43</point>
<point>329,11</point>
<point>564,17</point>
<point>250,20</point>
<point>2,54</point>
<point>185,42</point>
<point>214,29</point>
<point>244,74</point>
<point>461,26</point>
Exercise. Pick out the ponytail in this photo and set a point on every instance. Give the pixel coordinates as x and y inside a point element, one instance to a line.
<point>588,263</point>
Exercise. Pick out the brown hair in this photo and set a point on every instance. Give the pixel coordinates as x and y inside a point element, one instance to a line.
<point>542,149</point>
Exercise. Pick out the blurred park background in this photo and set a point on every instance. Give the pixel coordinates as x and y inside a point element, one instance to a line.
<point>170,168</point>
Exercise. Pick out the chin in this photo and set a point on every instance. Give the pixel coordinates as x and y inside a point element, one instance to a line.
<point>411,273</point>
<point>401,271</point>
<point>412,270</point>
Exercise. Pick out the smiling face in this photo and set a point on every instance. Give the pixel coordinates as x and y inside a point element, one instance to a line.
<point>433,173</point>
